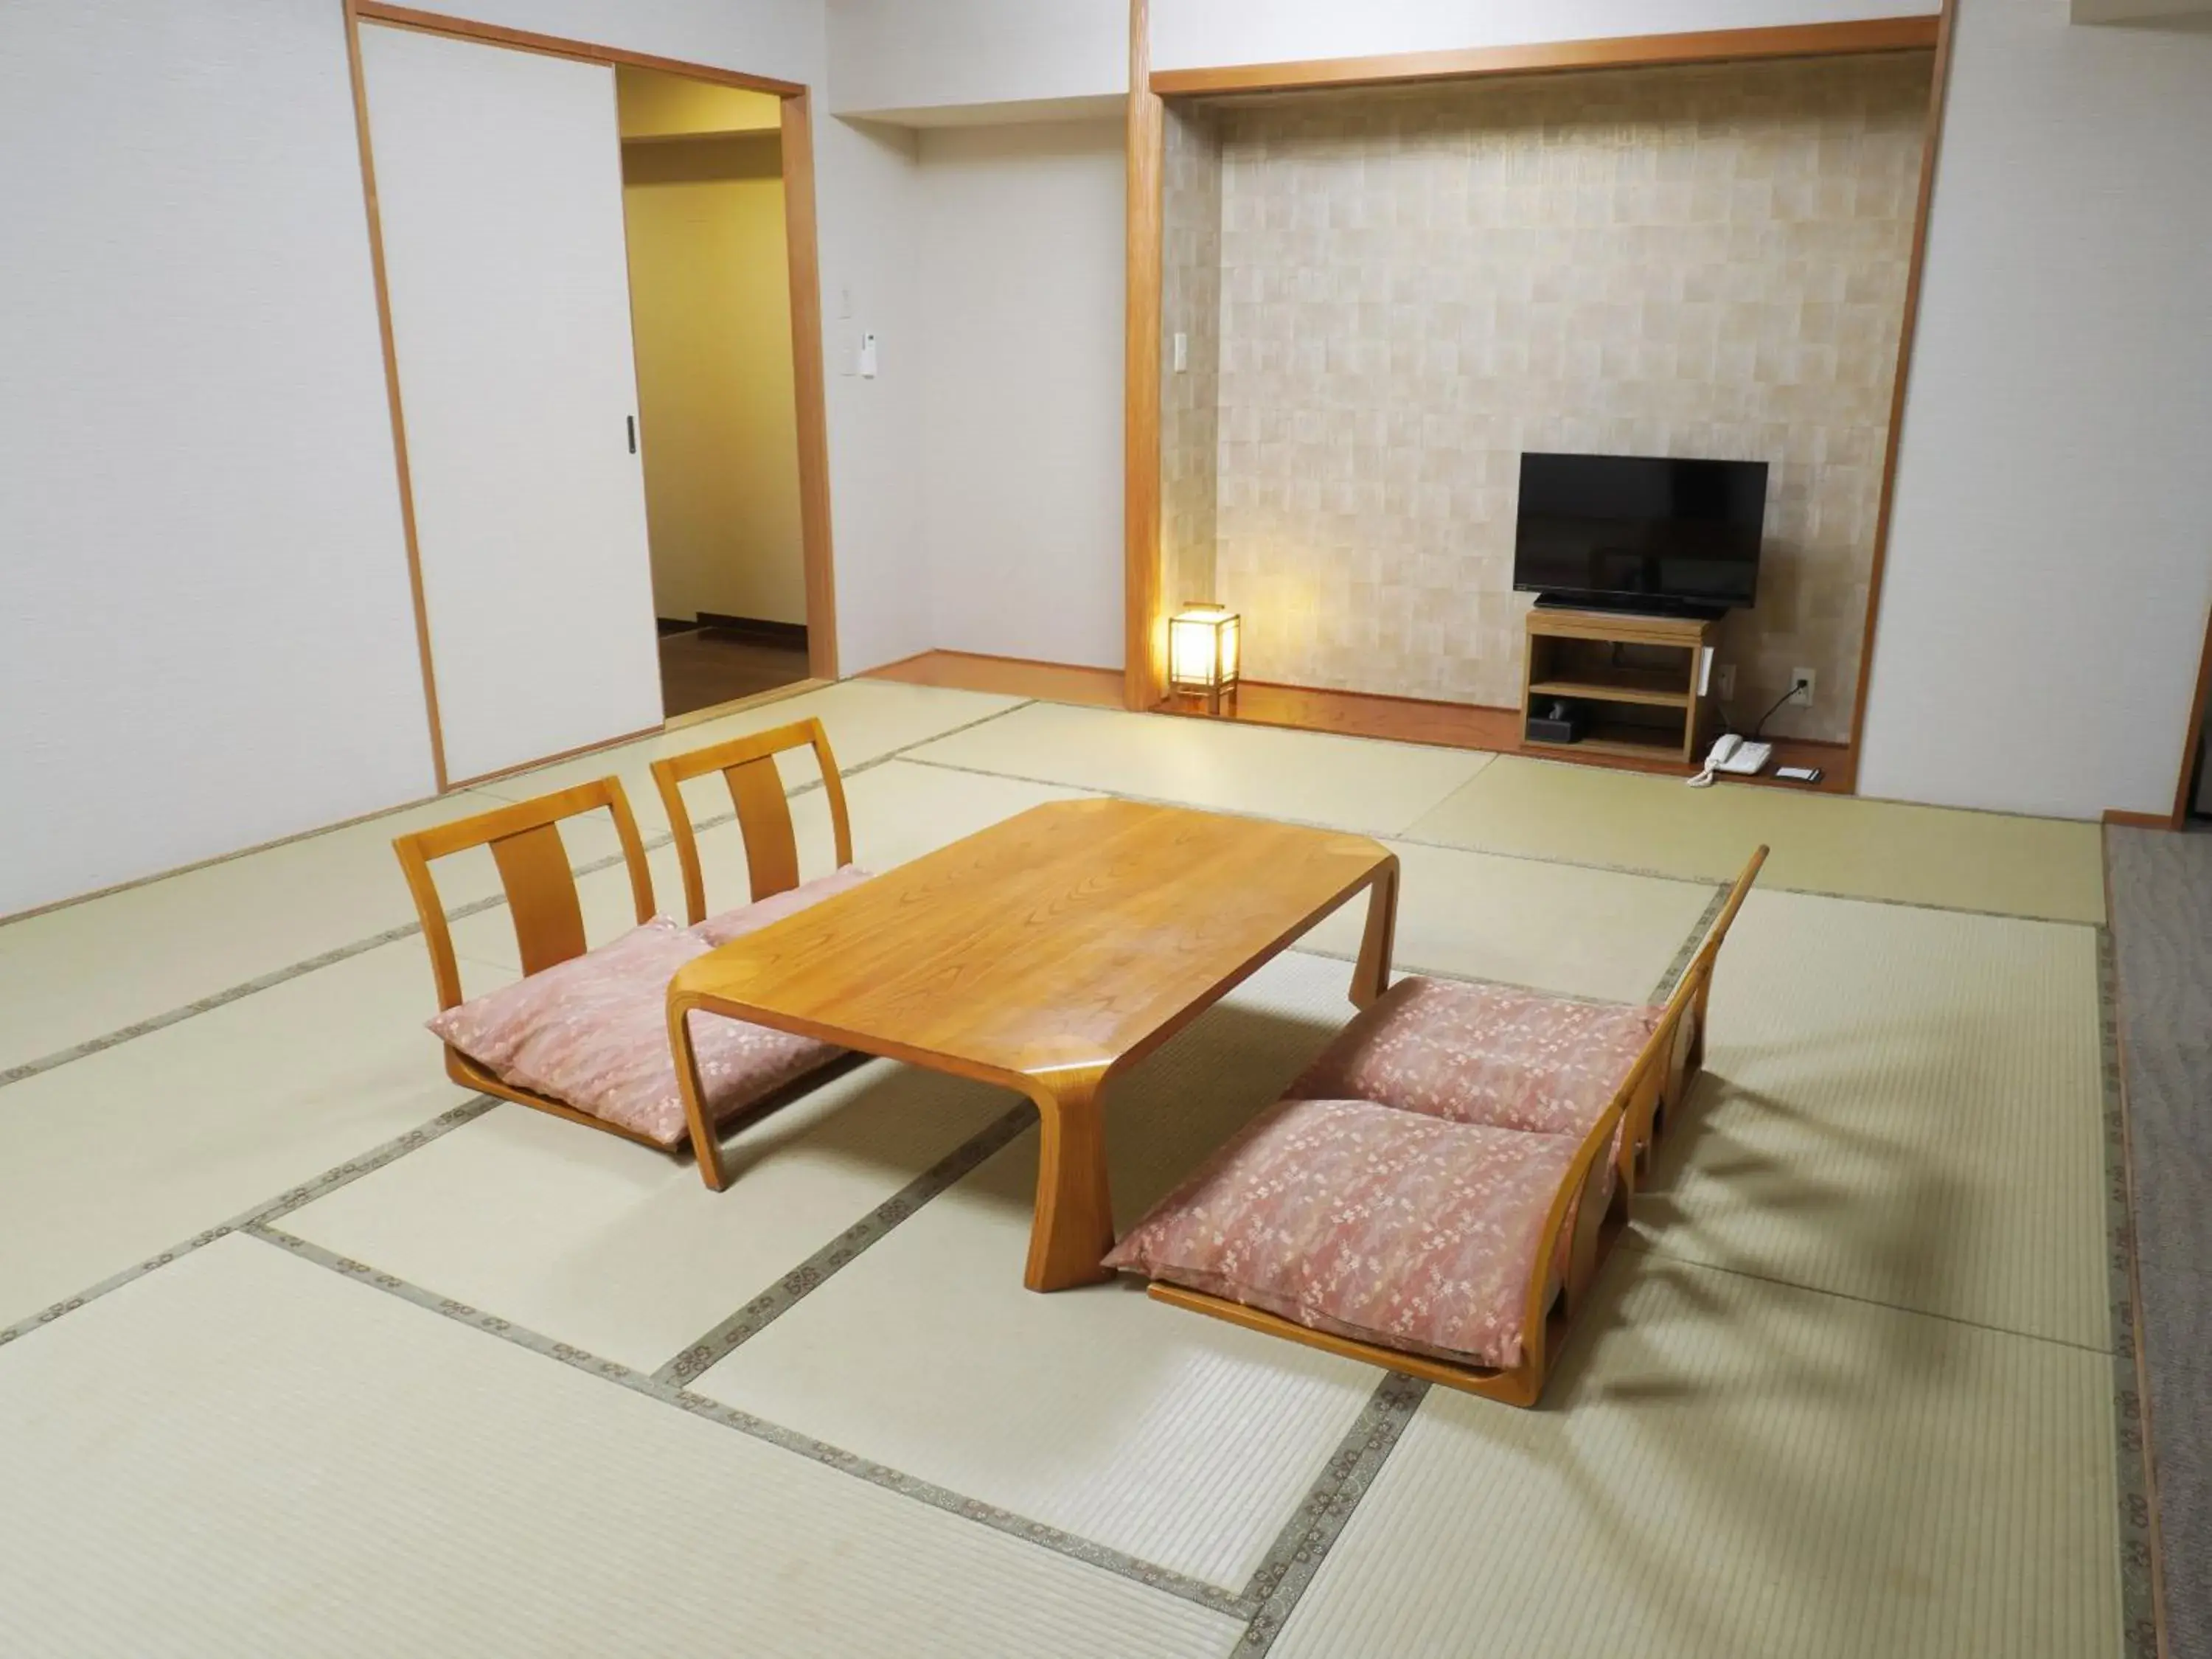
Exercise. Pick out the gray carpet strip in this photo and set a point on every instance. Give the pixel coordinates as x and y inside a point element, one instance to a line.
<point>2162,930</point>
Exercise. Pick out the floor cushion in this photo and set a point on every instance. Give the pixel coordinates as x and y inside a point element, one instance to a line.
<point>1409,1231</point>
<point>593,1033</point>
<point>751,918</point>
<point>1483,1054</point>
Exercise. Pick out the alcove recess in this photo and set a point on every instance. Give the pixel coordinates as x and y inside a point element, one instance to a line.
<point>1374,299</point>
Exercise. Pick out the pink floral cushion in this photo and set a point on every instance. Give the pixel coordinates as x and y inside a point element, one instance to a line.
<point>751,918</point>
<point>1482,1053</point>
<point>1383,1225</point>
<point>593,1033</point>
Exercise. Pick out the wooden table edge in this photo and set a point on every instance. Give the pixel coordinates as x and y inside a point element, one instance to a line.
<point>1073,1202</point>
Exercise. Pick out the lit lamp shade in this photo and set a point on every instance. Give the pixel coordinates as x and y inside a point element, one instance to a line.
<point>1202,650</point>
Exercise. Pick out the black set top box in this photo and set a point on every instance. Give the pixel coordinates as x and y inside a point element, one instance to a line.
<point>1557,721</point>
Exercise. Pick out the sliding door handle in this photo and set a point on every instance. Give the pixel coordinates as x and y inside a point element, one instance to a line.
<point>631,420</point>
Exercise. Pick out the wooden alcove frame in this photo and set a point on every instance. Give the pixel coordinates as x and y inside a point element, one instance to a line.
<point>1145,674</point>
<point>805,280</point>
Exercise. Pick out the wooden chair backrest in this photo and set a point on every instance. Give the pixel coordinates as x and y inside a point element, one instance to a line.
<point>533,867</point>
<point>748,766</point>
<point>1633,1100</point>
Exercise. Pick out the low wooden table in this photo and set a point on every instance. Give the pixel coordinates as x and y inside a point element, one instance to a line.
<point>1046,954</point>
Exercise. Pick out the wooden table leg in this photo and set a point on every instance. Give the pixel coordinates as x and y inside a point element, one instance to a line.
<point>705,1145</point>
<point>1073,1226</point>
<point>1372,975</point>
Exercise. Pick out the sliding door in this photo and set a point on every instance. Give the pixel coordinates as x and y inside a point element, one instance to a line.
<point>499,182</point>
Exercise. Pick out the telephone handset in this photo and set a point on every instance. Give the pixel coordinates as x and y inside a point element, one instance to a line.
<point>1734,753</point>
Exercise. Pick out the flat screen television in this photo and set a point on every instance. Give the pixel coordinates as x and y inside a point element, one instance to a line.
<point>1636,533</point>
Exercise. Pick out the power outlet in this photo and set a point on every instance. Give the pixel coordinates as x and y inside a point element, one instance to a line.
<point>1803,680</point>
<point>1724,681</point>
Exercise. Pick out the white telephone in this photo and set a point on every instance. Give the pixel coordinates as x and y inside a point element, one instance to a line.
<point>1734,753</point>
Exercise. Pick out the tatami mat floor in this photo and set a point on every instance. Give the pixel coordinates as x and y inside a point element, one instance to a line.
<point>1904,1107</point>
<point>1822,843</point>
<point>1733,1467</point>
<point>243,1455</point>
<point>285,1378</point>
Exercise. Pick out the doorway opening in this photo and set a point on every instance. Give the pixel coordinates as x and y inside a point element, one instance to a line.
<point>718,426</point>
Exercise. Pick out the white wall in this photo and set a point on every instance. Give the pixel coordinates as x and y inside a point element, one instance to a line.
<point>863,180</point>
<point>921,60</point>
<point>864,196</point>
<point>1021,306</point>
<point>2050,559</point>
<point>870,246</point>
<point>207,639</point>
<point>1203,33</point>
<point>781,38</point>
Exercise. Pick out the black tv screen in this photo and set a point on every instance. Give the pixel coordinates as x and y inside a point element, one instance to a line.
<point>1626,530</point>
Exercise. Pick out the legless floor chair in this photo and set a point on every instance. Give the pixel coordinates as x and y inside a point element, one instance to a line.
<point>756,791</point>
<point>526,845</point>
<point>1350,1225</point>
<point>758,1069</point>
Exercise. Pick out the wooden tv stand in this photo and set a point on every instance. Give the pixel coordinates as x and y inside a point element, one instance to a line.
<point>1650,709</point>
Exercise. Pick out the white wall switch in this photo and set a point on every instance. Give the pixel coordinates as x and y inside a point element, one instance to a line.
<point>1801,680</point>
<point>1181,351</point>
<point>844,301</point>
<point>867,356</point>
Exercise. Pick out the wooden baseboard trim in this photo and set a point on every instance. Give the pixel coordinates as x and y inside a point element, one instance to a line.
<point>1344,713</point>
<point>1018,676</point>
<point>576,753</point>
<point>757,627</point>
<point>737,705</point>
<point>1476,726</point>
<point>148,879</point>
<point>2138,820</point>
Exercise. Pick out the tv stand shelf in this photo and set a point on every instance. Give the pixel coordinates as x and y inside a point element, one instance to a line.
<point>1649,709</point>
<point>1654,687</point>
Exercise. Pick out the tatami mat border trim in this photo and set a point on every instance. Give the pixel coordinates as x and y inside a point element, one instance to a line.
<point>717,1345</point>
<point>1304,1544</point>
<point>836,1457</point>
<point>1696,937</point>
<point>1663,989</point>
<point>1266,1600</point>
<point>330,958</point>
<point>1408,840</point>
<point>1410,969</point>
<point>43,1063</point>
<point>1267,1596</point>
<point>272,1209</point>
